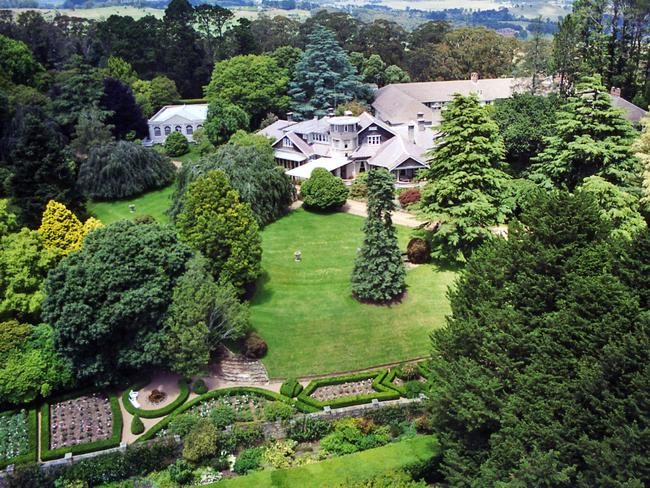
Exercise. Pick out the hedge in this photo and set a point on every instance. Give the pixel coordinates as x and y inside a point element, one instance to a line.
<point>191,101</point>
<point>48,454</point>
<point>383,392</point>
<point>160,412</point>
<point>388,382</point>
<point>32,436</point>
<point>271,395</point>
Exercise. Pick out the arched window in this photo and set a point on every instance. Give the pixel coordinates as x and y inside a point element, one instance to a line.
<point>168,130</point>
<point>189,129</point>
<point>178,128</point>
<point>156,131</point>
<point>199,127</point>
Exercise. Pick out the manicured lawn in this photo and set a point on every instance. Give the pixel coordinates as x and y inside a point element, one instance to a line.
<point>154,203</point>
<point>306,313</point>
<point>351,468</point>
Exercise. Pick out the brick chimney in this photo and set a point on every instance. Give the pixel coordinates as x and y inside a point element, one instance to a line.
<point>615,92</point>
<point>421,121</point>
<point>474,77</point>
<point>290,116</point>
<point>412,132</point>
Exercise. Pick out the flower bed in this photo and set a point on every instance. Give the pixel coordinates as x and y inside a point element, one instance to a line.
<point>17,437</point>
<point>159,412</point>
<point>393,380</point>
<point>379,390</point>
<point>111,434</point>
<point>248,407</point>
<point>241,390</point>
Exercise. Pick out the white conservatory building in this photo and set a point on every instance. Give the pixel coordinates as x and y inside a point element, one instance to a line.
<point>185,119</point>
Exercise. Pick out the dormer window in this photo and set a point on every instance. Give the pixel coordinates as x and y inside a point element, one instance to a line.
<point>374,140</point>
<point>286,142</point>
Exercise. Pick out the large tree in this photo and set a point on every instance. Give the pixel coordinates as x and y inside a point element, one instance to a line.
<point>17,63</point>
<point>540,377</point>
<point>108,302</point>
<point>324,77</point>
<point>255,83</point>
<point>466,183</point>
<point>379,273</point>
<point>125,114</point>
<point>641,148</point>
<point>589,137</point>
<point>249,163</point>
<point>215,222</point>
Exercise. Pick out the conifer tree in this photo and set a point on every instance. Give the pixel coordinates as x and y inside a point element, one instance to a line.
<point>379,273</point>
<point>62,231</point>
<point>465,180</point>
<point>590,138</point>
<point>642,150</point>
<point>324,77</point>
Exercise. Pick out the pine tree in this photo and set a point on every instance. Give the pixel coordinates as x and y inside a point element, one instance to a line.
<point>642,149</point>
<point>323,78</point>
<point>590,138</point>
<point>379,273</point>
<point>62,231</point>
<point>465,181</point>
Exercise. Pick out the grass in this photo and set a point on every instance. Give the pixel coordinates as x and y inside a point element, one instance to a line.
<point>351,468</point>
<point>307,315</point>
<point>154,203</point>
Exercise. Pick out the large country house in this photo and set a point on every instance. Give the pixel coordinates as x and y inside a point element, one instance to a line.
<point>348,145</point>
<point>185,119</point>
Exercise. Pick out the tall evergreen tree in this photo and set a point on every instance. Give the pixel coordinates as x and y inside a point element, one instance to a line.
<point>590,138</point>
<point>323,77</point>
<point>40,170</point>
<point>379,273</point>
<point>641,148</point>
<point>465,180</point>
<point>125,114</point>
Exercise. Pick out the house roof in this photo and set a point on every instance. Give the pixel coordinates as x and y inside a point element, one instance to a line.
<point>194,113</point>
<point>276,129</point>
<point>395,151</point>
<point>397,107</point>
<point>632,113</point>
<point>298,143</point>
<point>312,125</point>
<point>330,164</point>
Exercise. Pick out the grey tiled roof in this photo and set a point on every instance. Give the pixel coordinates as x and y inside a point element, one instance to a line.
<point>632,113</point>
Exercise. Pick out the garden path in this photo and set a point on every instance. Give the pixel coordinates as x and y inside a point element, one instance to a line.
<point>406,219</point>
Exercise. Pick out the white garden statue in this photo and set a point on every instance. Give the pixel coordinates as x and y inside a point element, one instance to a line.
<point>133,398</point>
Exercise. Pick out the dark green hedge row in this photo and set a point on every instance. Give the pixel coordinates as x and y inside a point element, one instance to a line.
<point>383,392</point>
<point>190,101</point>
<point>271,395</point>
<point>32,436</point>
<point>388,382</point>
<point>160,412</point>
<point>48,454</point>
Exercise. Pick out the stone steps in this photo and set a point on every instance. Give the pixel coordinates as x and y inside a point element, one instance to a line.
<point>239,369</point>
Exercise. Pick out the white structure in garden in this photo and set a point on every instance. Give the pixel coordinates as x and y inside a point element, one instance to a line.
<point>185,119</point>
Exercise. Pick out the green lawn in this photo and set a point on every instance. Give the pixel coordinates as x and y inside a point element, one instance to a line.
<point>306,313</point>
<point>351,468</point>
<point>154,203</point>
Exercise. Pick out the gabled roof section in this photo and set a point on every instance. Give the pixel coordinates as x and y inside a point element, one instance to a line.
<point>397,106</point>
<point>632,113</point>
<point>395,151</point>
<point>276,129</point>
<point>366,120</point>
<point>298,143</point>
<point>192,113</point>
<point>312,125</point>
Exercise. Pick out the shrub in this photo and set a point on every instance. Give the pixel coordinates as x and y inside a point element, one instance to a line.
<point>123,169</point>
<point>201,442</point>
<point>308,429</point>
<point>183,424</point>
<point>418,251</point>
<point>323,191</point>
<point>279,454</point>
<point>358,190</point>
<point>278,411</point>
<point>137,427</point>
<point>176,145</point>
<point>291,388</point>
<point>412,389</point>
<point>353,435</point>
<point>254,346</point>
<point>409,197</point>
<point>181,472</point>
<point>247,435</point>
<point>249,460</point>
<point>409,371</point>
<point>222,416</point>
<point>199,387</point>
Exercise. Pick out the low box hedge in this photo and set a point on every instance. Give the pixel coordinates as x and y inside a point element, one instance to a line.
<point>32,437</point>
<point>159,412</point>
<point>383,392</point>
<point>388,382</point>
<point>271,395</point>
<point>114,440</point>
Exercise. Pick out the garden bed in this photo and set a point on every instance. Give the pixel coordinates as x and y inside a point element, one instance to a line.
<point>184,393</point>
<point>18,434</point>
<point>80,424</point>
<point>248,407</point>
<point>345,391</point>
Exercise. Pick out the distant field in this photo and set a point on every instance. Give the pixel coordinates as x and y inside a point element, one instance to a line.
<point>137,12</point>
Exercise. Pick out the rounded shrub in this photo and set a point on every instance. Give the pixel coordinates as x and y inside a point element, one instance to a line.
<point>409,197</point>
<point>278,411</point>
<point>176,145</point>
<point>409,371</point>
<point>254,346</point>
<point>123,169</point>
<point>181,472</point>
<point>323,191</point>
<point>359,190</point>
<point>199,387</point>
<point>418,251</point>
<point>291,388</point>
<point>413,388</point>
<point>249,460</point>
<point>137,427</point>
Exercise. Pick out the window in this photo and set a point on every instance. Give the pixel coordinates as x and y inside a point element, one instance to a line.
<point>199,127</point>
<point>168,130</point>
<point>374,140</point>
<point>177,128</point>
<point>286,142</point>
<point>156,131</point>
<point>189,130</point>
